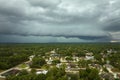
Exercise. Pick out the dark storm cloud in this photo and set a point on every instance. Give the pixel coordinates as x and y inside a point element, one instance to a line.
<point>87,20</point>
<point>113,26</point>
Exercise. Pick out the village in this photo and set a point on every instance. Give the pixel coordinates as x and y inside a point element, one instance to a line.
<point>72,64</point>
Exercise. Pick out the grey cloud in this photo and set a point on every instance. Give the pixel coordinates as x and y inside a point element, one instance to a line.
<point>66,31</point>
<point>13,7</point>
<point>45,3</point>
<point>113,27</point>
<point>87,20</point>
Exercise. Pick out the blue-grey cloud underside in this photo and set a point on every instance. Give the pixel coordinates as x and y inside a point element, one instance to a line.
<point>59,20</point>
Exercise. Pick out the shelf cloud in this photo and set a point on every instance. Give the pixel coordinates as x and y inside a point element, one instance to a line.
<point>66,20</point>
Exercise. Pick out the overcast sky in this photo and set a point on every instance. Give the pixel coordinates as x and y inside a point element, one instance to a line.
<point>59,20</point>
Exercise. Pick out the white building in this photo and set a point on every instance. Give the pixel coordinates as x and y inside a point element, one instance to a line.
<point>89,56</point>
<point>41,72</point>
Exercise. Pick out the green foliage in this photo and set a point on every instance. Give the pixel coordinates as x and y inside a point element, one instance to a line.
<point>63,78</point>
<point>23,72</point>
<point>55,62</point>
<point>38,62</point>
<point>33,71</point>
<point>115,60</point>
<point>56,73</point>
<point>53,74</point>
<point>89,74</point>
<point>83,63</point>
<point>73,76</point>
<point>69,58</point>
<point>13,60</point>
<point>14,54</point>
<point>27,77</point>
<point>40,77</point>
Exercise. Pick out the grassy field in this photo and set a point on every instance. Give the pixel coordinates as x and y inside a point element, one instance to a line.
<point>22,66</point>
